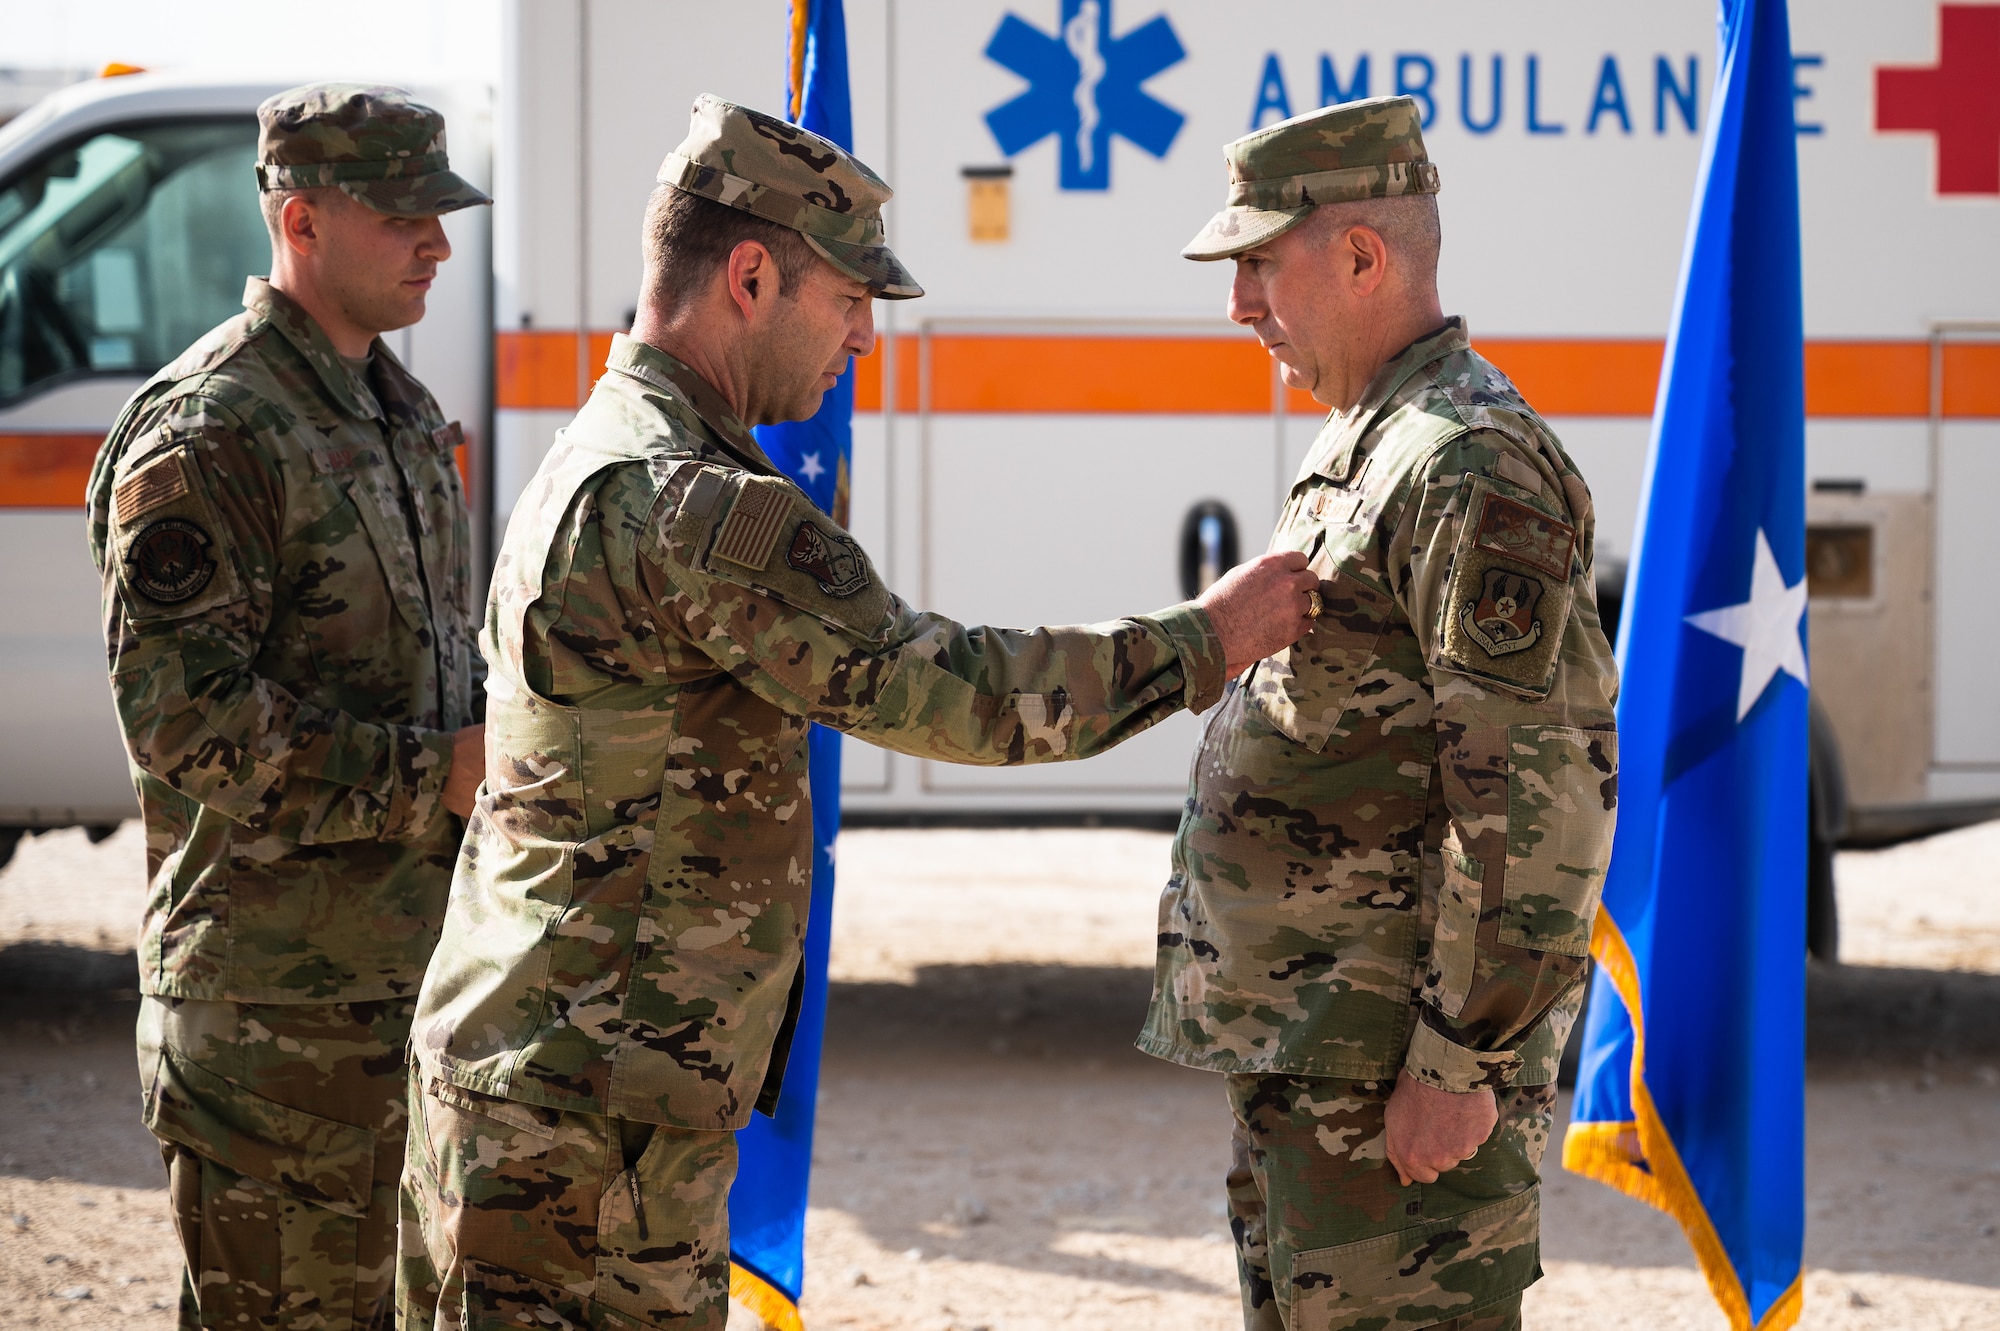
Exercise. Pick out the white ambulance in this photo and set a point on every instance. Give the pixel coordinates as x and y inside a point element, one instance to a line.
<point>1066,428</point>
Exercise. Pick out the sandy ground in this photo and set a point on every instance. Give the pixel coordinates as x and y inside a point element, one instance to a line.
<point>992,1153</point>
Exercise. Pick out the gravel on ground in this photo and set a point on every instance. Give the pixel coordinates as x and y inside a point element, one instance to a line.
<point>992,1152</point>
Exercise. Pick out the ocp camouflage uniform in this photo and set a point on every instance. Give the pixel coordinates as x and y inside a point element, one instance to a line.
<point>1397,830</point>
<point>621,963</point>
<point>620,966</point>
<point>285,553</point>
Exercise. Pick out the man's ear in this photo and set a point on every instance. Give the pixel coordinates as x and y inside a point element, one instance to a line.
<point>752,273</point>
<point>1368,255</point>
<point>298,223</point>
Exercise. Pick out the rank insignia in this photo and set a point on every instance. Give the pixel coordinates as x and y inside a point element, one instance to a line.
<point>170,562</point>
<point>1513,530</point>
<point>831,558</point>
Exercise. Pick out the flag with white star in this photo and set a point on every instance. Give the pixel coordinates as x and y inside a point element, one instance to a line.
<point>767,1204</point>
<point>1691,1094</point>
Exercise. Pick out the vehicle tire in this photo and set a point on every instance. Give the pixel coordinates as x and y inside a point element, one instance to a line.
<point>1822,914</point>
<point>1826,826</point>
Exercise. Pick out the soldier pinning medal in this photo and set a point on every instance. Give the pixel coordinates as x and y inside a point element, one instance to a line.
<point>284,544</point>
<point>619,975</point>
<point>1383,886</point>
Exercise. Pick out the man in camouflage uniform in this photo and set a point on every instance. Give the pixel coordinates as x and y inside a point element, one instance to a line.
<point>285,551</point>
<point>620,968</point>
<point>1384,882</point>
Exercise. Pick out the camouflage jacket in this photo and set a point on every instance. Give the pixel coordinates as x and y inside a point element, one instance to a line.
<point>667,615</point>
<point>285,555</point>
<point>1398,828</point>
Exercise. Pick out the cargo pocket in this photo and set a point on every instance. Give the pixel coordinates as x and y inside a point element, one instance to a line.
<point>1562,806</point>
<point>1454,949</point>
<point>314,1159</point>
<point>496,1297</point>
<point>1303,691</point>
<point>1423,1275</point>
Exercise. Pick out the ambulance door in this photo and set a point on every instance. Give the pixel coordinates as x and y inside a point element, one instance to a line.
<point>118,248</point>
<point>1965,453</point>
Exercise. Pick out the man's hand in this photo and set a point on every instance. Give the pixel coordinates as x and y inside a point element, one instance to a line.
<point>1431,1131</point>
<point>468,769</point>
<point>1260,607</point>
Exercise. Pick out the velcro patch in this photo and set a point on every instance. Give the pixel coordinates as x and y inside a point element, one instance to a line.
<point>1513,530</point>
<point>148,488</point>
<point>750,532</point>
<point>831,558</point>
<point>1508,603</point>
<point>171,561</point>
<point>447,437</point>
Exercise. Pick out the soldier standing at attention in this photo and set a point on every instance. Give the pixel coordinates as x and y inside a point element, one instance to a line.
<point>620,968</point>
<point>285,552</point>
<point>1384,882</point>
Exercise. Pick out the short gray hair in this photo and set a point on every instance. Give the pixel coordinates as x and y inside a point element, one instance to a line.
<point>1407,223</point>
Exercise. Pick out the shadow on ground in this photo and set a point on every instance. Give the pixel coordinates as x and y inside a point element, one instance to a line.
<point>1854,1014</point>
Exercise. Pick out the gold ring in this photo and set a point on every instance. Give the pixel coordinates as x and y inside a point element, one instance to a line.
<point>1313,604</point>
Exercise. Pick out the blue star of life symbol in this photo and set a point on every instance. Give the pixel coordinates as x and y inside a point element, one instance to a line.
<point>1083,87</point>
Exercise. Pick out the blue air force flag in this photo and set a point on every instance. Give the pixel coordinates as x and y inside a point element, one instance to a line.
<point>767,1205</point>
<point>1691,1095</point>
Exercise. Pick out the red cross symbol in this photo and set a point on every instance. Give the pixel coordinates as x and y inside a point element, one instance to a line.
<point>1957,99</point>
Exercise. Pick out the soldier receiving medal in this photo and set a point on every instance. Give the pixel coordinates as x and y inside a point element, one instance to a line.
<point>1398,827</point>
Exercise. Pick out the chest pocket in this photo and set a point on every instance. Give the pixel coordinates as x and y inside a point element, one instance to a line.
<point>1304,690</point>
<point>374,491</point>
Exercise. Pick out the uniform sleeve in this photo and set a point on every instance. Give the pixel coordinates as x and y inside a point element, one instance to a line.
<point>790,605</point>
<point>1493,555</point>
<point>190,555</point>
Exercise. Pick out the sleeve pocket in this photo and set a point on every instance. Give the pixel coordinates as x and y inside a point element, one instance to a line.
<point>768,538</point>
<point>1562,806</point>
<point>1454,947</point>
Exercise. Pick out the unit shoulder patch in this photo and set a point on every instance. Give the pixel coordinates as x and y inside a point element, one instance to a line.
<point>1509,597</point>
<point>751,530</point>
<point>830,557</point>
<point>171,561</point>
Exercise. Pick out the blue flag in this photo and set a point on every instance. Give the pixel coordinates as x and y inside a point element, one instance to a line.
<point>767,1205</point>
<point>1692,1089</point>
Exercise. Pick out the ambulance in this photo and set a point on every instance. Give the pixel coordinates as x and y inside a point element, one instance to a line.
<point>1066,428</point>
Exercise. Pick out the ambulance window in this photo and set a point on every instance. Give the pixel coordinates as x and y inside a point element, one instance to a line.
<point>119,251</point>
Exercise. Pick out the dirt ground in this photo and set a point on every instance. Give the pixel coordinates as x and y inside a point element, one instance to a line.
<point>992,1152</point>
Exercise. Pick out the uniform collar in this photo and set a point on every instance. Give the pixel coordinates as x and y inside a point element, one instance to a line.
<point>1440,342</point>
<point>349,391</point>
<point>1333,453</point>
<point>657,370</point>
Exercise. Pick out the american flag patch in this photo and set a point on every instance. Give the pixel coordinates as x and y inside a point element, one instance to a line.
<point>147,489</point>
<point>750,532</point>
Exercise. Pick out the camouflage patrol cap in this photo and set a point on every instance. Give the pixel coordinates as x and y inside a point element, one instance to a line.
<point>1337,154</point>
<point>381,146</point>
<point>795,178</point>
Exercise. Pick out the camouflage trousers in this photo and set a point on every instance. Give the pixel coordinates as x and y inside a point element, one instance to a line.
<point>519,1216</point>
<point>1327,1239</point>
<point>282,1130</point>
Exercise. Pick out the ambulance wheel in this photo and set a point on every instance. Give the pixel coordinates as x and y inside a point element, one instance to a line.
<point>1822,915</point>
